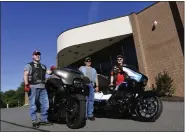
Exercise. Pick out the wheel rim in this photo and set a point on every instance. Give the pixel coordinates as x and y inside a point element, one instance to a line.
<point>147,107</point>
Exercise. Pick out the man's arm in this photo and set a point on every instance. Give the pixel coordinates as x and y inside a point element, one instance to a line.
<point>111,78</point>
<point>97,83</point>
<point>80,69</point>
<point>26,77</point>
<point>27,70</point>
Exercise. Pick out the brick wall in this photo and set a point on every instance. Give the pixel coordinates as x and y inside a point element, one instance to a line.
<point>159,49</point>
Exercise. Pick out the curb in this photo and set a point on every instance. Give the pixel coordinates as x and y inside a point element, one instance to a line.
<point>172,99</point>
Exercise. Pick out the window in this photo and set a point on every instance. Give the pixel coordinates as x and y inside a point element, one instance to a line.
<point>104,59</point>
<point>115,50</point>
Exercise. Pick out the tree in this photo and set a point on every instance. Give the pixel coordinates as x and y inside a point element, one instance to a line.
<point>20,94</point>
<point>2,103</point>
<point>10,97</point>
<point>164,84</point>
<point>14,97</point>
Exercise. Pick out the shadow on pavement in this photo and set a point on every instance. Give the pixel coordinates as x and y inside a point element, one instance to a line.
<point>24,126</point>
<point>117,116</point>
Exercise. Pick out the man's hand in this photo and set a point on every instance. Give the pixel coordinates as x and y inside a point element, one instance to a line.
<point>111,84</point>
<point>49,72</point>
<point>26,87</point>
<point>97,89</point>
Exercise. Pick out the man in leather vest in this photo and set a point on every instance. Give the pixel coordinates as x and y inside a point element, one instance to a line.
<point>34,79</point>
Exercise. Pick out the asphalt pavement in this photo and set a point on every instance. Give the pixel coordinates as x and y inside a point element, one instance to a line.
<point>172,119</point>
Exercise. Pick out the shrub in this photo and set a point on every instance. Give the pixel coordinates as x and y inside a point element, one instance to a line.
<point>164,84</point>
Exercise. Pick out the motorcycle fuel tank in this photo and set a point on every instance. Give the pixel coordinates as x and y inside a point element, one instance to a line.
<point>68,75</point>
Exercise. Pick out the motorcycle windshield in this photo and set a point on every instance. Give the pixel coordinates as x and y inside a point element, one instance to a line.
<point>132,74</point>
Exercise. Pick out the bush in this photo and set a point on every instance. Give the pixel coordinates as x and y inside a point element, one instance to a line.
<point>164,84</point>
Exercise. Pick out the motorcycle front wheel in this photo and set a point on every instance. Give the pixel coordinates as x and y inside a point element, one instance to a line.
<point>149,108</point>
<point>75,116</point>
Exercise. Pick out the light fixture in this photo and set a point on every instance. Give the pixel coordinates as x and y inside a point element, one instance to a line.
<point>154,25</point>
<point>76,53</point>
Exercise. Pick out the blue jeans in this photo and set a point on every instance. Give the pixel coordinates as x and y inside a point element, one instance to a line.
<point>38,94</point>
<point>90,102</point>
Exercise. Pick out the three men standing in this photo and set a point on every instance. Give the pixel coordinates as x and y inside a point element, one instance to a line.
<point>35,77</point>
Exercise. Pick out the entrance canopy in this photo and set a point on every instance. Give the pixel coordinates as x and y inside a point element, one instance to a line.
<point>77,43</point>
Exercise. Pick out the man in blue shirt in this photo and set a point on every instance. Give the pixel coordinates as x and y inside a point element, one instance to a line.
<point>92,75</point>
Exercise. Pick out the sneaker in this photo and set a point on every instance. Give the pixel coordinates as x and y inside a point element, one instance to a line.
<point>35,124</point>
<point>91,118</point>
<point>47,123</point>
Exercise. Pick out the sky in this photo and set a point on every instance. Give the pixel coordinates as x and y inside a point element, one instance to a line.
<point>29,26</point>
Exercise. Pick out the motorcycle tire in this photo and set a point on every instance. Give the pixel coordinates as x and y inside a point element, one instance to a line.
<point>80,120</point>
<point>156,115</point>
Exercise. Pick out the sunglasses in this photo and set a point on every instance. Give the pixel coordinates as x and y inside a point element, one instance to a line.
<point>119,59</point>
<point>88,60</point>
<point>36,54</point>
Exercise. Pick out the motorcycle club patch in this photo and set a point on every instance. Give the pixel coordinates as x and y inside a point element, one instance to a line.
<point>35,65</point>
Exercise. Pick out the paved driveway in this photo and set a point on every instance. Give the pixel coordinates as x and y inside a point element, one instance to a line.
<point>172,119</point>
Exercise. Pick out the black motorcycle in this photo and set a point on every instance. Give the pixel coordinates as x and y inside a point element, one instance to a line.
<point>66,91</point>
<point>129,98</point>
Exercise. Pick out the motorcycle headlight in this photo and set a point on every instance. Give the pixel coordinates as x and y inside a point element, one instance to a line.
<point>77,83</point>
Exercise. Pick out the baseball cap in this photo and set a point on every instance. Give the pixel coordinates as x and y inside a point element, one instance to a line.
<point>119,56</point>
<point>36,53</point>
<point>88,58</point>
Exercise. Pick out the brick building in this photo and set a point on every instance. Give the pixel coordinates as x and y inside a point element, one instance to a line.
<point>162,48</point>
<point>150,48</point>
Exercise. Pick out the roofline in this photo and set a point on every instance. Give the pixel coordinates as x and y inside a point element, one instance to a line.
<point>91,24</point>
<point>147,7</point>
<point>107,19</point>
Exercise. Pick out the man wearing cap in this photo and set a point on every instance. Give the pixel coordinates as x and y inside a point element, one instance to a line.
<point>34,79</point>
<point>117,75</point>
<point>92,75</point>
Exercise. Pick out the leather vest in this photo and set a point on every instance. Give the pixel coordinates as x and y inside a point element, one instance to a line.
<point>38,74</point>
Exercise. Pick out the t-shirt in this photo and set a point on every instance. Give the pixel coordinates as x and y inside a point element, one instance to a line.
<point>120,79</point>
<point>89,72</point>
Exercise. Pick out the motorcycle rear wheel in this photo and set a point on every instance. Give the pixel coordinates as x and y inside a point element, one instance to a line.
<point>76,119</point>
